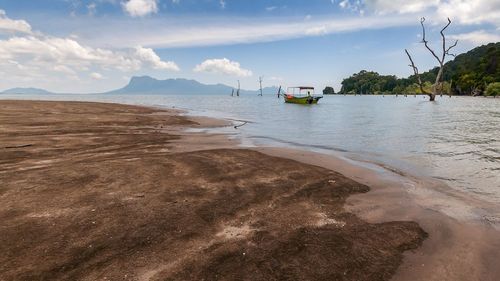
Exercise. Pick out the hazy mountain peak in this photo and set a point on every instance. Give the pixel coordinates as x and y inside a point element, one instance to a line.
<point>26,91</point>
<point>150,85</point>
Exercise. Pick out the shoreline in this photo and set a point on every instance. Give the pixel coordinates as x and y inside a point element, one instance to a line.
<point>431,191</point>
<point>428,201</point>
<point>455,249</point>
<point>472,182</point>
<point>452,248</point>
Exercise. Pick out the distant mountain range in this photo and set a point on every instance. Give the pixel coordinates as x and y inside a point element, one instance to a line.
<point>148,85</point>
<point>33,91</point>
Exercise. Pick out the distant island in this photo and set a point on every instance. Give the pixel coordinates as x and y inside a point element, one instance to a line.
<point>149,85</point>
<point>33,91</point>
<point>476,72</point>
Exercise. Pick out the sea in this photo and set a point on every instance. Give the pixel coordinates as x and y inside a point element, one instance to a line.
<point>454,139</point>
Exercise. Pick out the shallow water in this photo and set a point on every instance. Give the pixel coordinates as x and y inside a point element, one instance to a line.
<point>453,139</point>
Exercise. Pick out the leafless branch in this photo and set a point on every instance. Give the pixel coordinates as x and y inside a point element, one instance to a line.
<point>444,39</point>
<point>447,52</point>
<point>422,20</point>
<point>415,70</point>
<point>244,123</point>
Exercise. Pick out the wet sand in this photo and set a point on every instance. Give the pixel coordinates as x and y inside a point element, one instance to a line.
<point>93,191</point>
<point>459,246</point>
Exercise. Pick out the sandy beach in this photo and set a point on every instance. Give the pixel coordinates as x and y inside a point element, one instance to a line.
<point>95,191</point>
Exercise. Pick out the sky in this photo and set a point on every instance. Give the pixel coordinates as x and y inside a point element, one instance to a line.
<point>88,46</point>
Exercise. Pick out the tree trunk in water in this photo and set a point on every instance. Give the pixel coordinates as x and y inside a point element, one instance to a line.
<point>435,87</point>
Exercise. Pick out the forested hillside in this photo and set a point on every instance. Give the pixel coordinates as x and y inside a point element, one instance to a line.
<point>467,74</point>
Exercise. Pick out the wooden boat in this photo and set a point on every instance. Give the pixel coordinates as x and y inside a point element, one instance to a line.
<point>301,95</point>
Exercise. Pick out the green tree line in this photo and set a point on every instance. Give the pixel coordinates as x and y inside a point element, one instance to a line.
<point>476,72</point>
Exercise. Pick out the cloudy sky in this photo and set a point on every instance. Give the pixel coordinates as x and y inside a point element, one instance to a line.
<point>97,45</point>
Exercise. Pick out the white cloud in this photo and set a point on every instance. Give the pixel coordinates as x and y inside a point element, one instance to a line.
<point>92,8</point>
<point>222,4</point>
<point>67,55</point>
<point>140,8</point>
<point>48,51</point>
<point>35,58</point>
<point>178,31</point>
<point>239,31</point>
<point>388,6</point>
<point>13,26</point>
<point>223,66</point>
<point>461,11</point>
<point>400,6</point>
<point>271,8</point>
<point>63,51</point>
<point>64,69</point>
<point>96,76</point>
<point>471,12</point>
<point>317,30</point>
<point>344,4</point>
<point>149,57</point>
<point>476,38</point>
<point>352,5</point>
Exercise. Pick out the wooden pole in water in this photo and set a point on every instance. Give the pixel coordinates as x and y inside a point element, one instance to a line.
<point>238,91</point>
<point>451,83</point>
<point>260,82</point>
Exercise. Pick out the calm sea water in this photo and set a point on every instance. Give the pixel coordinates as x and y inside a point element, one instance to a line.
<point>453,139</point>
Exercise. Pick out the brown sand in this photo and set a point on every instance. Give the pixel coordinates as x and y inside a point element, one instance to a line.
<point>93,191</point>
<point>458,248</point>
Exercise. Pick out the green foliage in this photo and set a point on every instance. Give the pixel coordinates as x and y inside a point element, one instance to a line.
<point>445,88</point>
<point>328,91</point>
<point>493,89</point>
<point>473,71</point>
<point>369,82</point>
<point>415,88</point>
<point>467,74</point>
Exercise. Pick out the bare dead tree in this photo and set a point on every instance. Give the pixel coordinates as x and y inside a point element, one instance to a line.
<point>415,70</point>
<point>441,59</point>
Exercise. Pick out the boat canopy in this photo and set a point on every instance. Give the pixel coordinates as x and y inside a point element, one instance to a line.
<point>302,91</point>
<point>303,88</point>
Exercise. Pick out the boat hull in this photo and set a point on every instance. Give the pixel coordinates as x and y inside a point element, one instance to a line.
<point>302,100</point>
